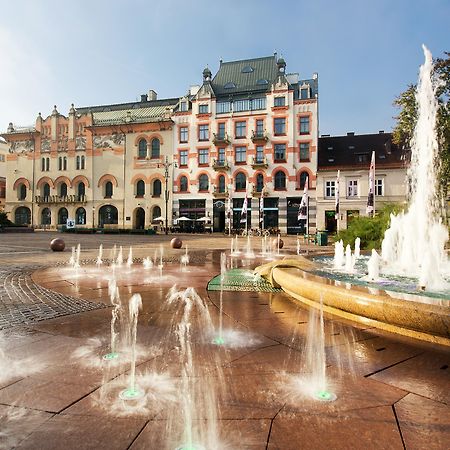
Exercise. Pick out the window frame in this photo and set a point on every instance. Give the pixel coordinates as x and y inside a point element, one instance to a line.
<point>240,150</point>
<point>203,132</point>
<point>276,180</point>
<point>279,126</point>
<point>276,148</point>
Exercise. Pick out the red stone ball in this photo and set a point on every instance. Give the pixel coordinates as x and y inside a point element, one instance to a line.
<point>278,243</point>
<point>176,243</point>
<point>57,245</point>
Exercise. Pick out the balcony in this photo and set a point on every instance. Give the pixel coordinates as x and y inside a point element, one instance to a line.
<point>53,199</point>
<point>218,194</point>
<point>259,136</point>
<point>221,139</point>
<point>221,165</point>
<point>258,194</point>
<point>260,163</point>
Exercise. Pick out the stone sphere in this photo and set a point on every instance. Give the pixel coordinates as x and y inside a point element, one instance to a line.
<point>176,243</point>
<point>57,245</point>
<point>276,242</point>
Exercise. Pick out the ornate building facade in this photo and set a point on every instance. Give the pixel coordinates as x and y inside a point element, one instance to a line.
<point>99,166</point>
<point>251,130</point>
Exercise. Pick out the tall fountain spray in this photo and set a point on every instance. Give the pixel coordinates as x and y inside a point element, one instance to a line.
<point>339,255</point>
<point>99,261</point>
<point>114,296</point>
<point>119,259</point>
<point>133,392</point>
<point>130,257</point>
<point>414,243</point>
<point>193,422</point>
<point>184,260</point>
<point>315,363</point>
<point>77,257</point>
<point>223,268</point>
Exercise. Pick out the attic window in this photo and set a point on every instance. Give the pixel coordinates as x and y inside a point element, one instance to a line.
<point>351,147</point>
<point>229,85</point>
<point>330,159</point>
<point>247,69</point>
<point>330,148</point>
<point>262,81</point>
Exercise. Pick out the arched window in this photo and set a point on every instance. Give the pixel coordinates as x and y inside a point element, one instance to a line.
<point>259,182</point>
<point>183,184</point>
<point>203,182</point>
<point>60,163</point>
<point>241,182</point>
<point>22,216</point>
<point>78,164</point>
<point>63,190</point>
<point>280,180</point>
<point>302,179</point>
<point>221,183</point>
<point>62,216</point>
<point>157,188</point>
<point>43,164</point>
<point>81,189</point>
<point>22,192</point>
<point>108,189</point>
<point>80,216</point>
<point>156,148</point>
<point>47,164</point>
<point>65,163</point>
<point>156,212</point>
<point>46,190</point>
<point>82,162</point>
<point>46,216</point>
<point>107,215</point>
<point>140,188</point>
<point>142,153</point>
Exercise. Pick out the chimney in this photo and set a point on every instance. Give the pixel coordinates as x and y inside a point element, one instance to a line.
<point>152,95</point>
<point>143,97</point>
<point>351,133</point>
<point>381,132</point>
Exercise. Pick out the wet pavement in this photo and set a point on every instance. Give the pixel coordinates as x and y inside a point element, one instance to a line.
<point>55,391</point>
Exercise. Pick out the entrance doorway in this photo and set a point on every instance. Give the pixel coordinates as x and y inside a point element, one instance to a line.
<point>139,218</point>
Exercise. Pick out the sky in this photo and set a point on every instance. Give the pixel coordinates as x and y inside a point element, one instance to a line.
<point>97,52</point>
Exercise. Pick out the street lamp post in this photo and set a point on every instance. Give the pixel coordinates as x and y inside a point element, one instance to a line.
<point>166,165</point>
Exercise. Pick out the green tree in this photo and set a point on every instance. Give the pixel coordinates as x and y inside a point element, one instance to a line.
<point>407,117</point>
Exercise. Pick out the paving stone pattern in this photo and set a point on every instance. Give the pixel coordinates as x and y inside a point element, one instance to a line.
<point>22,301</point>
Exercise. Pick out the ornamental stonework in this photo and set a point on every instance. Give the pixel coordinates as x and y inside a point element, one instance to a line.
<point>109,141</point>
<point>45,145</point>
<point>20,147</point>
<point>80,143</point>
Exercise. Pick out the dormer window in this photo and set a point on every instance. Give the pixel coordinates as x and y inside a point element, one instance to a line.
<point>203,109</point>
<point>247,69</point>
<point>229,85</point>
<point>280,101</point>
<point>183,106</point>
<point>262,81</point>
<point>304,93</point>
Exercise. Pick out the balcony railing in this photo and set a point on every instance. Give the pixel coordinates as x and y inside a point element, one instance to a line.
<point>259,136</point>
<point>260,163</point>
<point>220,194</point>
<point>219,164</point>
<point>257,194</point>
<point>50,199</point>
<point>221,139</point>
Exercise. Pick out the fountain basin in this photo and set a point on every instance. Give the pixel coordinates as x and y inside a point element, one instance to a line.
<point>422,318</point>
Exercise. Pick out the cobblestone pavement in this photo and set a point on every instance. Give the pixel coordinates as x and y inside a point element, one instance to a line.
<point>22,301</point>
